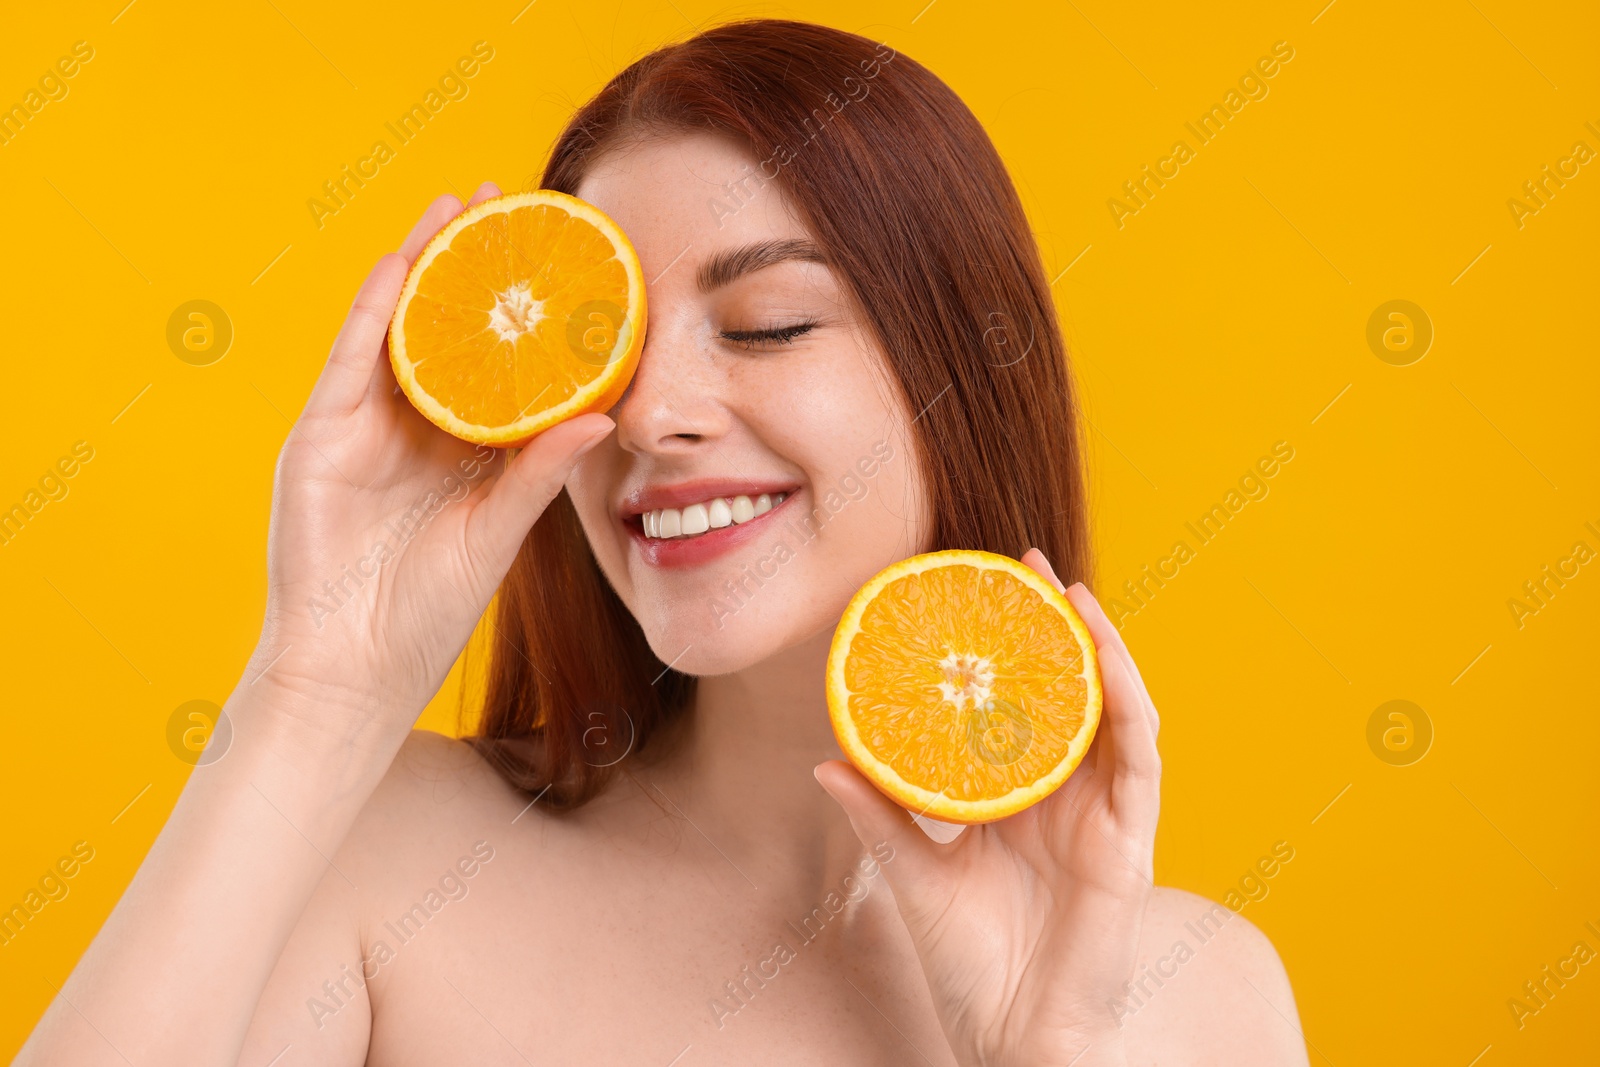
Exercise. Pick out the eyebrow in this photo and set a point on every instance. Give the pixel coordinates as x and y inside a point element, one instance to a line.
<point>731,264</point>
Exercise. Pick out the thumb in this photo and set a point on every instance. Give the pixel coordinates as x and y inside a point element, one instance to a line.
<point>532,479</point>
<point>882,825</point>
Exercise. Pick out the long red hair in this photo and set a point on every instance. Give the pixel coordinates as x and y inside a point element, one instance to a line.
<point>911,205</point>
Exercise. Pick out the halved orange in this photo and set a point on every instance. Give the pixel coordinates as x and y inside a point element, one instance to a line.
<point>525,310</point>
<point>963,685</point>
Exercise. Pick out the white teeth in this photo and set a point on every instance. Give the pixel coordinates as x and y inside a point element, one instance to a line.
<point>713,514</point>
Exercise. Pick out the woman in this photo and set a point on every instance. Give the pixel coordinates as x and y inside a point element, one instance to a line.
<point>647,855</point>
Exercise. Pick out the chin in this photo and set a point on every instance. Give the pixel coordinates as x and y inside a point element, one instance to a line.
<point>708,635</point>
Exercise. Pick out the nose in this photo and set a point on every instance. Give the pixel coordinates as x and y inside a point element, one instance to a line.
<point>675,403</point>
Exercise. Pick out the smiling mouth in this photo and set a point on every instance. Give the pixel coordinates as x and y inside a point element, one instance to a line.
<point>697,520</point>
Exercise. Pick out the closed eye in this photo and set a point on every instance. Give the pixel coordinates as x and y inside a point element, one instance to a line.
<point>782,335</point>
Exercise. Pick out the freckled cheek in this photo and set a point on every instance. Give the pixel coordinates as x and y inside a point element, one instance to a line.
<point>818,422</point>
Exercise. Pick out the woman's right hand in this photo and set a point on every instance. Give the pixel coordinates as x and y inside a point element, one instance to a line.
<point>327,701</point>
<point>388,535</point>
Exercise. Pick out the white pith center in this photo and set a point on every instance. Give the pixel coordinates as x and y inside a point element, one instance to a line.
<point>967,677</point>
<point>515,312</point>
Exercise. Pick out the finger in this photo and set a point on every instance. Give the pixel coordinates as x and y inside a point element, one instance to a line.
<point>1106,637</point>
<point>1041,565</point>
<point>1035,559</point>
<point>497,526</point>
<point>486,191</point>
<point>1109,641</point>
<point>344,378</point>
<point>1101,629</point>
<point>383,385</point>
<point>879,821</point>
<point>1133,669</point>
<point>433,219</point>
<point>1135,763</point>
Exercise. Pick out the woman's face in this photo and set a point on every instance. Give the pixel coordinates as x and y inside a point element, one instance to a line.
<point>758,385</point>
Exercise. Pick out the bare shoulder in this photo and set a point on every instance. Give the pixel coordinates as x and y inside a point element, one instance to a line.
<point>437,771</point>
<point>1208,988</point>
<point>438,793</point>
<point>424,830</point>
<point>440,817</point>
<point>441,798</point>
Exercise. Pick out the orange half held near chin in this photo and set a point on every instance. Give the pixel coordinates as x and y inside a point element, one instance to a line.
<point>963,685</point>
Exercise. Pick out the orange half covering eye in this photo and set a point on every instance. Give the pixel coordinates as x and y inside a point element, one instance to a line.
<point>524,311</point>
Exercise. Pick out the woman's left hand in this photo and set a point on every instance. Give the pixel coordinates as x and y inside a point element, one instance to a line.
<point>1027,927</point>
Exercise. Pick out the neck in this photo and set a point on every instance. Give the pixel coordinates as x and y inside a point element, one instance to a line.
<point>744,768</point>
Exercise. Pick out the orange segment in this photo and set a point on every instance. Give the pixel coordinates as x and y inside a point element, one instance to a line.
<point>963,685</point>
<point>522,312</point>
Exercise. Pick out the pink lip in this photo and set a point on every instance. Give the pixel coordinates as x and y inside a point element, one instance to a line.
<point>676,552</point>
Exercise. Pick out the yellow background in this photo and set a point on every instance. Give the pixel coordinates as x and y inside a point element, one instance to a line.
<point>1223,317</point>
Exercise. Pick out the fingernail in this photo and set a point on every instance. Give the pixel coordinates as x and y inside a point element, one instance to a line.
<point>599,435</point>
<point>1050,573</point>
